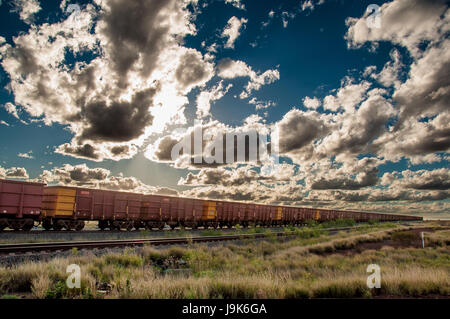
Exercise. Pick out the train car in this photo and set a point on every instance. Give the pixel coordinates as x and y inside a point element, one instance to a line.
<point>209,214</point>
<point>20,204</point>
<point>69,208</point>
<point>288,215</point>
<point>227,214</point>
<point>264,215</point>
<point>188,212</point>
<point>276,213</point>
<point>152,210</point>
<point>24,203</point>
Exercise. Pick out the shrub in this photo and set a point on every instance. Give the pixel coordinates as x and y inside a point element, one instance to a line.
<point>124,260</point>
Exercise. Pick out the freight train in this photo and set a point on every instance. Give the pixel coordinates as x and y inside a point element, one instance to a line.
<point>25,204</point>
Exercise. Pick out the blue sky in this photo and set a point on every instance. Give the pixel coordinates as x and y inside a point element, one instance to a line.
<point>362,112</point>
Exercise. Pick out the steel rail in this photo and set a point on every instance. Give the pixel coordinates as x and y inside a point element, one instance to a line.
<point>67,245</point>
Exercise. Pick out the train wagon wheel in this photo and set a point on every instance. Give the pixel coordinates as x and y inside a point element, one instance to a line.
<point>161,226</point>
<point>102,224</point>
<point>27,225</point>
<point>47,224</point>
<point>3,223</point>
<point>58,225</point>
<point>172,226</point>
<point>79,226</point>
<point>16,225</point>
<point>114,225</point>
<point>129,226</point>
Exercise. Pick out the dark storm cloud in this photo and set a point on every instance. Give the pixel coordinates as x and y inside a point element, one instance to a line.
<point>298,129</point>
<point>438,179</point>
<point>165,146</point>
<point>83,174</point>
<point>388,195</point>
<point>221,176</point>
<point>120,121</point>
<point>84,151</point>
<point>119,150</point>
<point>434,140</point>
<point>364,179</point>
<point>136,30</point>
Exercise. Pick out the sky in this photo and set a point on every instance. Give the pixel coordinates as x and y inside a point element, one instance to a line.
<point>98,93</point>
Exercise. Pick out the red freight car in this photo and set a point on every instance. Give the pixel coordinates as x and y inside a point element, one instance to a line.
<point>69,207</point>
<point>155,210</point>
<point>20,204</point>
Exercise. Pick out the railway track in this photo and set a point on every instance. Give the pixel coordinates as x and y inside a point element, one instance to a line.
<point>98,231</point>
<point>6,249</point>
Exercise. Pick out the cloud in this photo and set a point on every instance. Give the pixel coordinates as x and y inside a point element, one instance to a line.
<point>232,30</point>
<point>416,138</point>
<point>352,175</point>
<point>82,175</point>
<point>298,130</point>
<point>437,179</point>
<point>252,192</point>
<point>221,176</point>
<point>347,97</point>
<point>205,98</point>
<point>98,153</point>
<point>427,90</point>
<point>357,131</point>
<point>193,70</point>
<point>261,105</point>
<point>119,121</point>
<point>26,9</point>
<point>311,103</point>
<point>405,22</point>
<point>310,4</point>
<point>389,75</point>
<point>229,69</point>
<point>214,145</point>
<point>26,155</point>
<point>236,4</point>
<point>13,172</point>
<point>11,109</point>
<point>286,16</point>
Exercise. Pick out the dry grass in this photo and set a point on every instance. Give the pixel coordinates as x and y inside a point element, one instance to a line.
<point>265,269</point>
